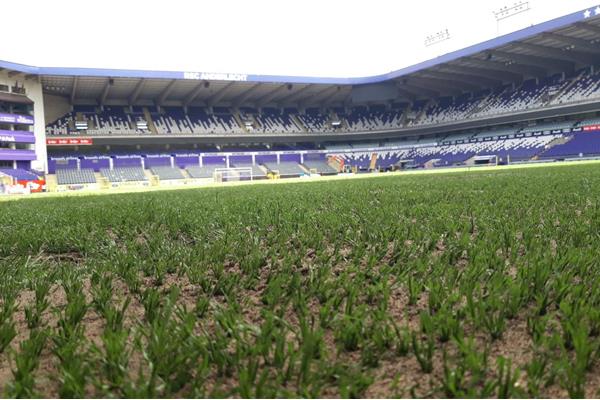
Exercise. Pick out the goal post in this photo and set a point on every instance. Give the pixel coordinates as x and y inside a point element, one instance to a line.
<point>233,174</point>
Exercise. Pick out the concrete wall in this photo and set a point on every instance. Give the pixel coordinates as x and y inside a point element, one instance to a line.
<point>55,107</point>
<point>33,90</point>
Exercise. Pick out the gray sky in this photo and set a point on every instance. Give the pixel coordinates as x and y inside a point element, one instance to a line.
<point>337,38</point>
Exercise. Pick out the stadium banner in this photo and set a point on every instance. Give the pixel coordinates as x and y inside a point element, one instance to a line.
<point>591,128</point>
<point>22,186</point>
<point>16,119</point>
<point>17,136</point>
<point>87,158</point>
<point>215,76</point>
<point>33,186</point>
<point>124,156</point>
<point>157,155</point>
<point>70,142</point>
<point>17,155</point>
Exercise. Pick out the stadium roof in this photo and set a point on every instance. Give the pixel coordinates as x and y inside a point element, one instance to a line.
<point>560,45</point>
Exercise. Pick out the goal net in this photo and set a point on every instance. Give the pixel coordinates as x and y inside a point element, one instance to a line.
<point>232,174</point>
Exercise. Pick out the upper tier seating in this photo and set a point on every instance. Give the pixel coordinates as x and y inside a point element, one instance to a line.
<point>197,120</point>
<point>62,126</point>
<point>529,95</point>
<point>272,121</point>
<point>314,120</point>
<point>585,86</point>
<point>69,176</point>
<point>360,119</point>
<point>111,121</point>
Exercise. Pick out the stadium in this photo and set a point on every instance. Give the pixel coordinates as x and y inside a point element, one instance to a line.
<point>466,267</point>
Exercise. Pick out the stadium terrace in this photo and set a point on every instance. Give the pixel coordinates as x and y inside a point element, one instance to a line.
<point>532,95</point>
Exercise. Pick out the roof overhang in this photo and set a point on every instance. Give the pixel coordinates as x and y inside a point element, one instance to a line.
<point>560,45</point>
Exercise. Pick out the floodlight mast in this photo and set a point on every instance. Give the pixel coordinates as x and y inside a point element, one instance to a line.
<point>510,11</point>
<point>438,37</point>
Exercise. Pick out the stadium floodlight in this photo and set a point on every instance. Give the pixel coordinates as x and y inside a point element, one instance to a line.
<point>510,11</point>
<point>438,37</point>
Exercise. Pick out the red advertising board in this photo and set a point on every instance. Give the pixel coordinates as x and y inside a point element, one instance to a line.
<point>591,128</point>
<point>35,186</point>
<point>70,142</point>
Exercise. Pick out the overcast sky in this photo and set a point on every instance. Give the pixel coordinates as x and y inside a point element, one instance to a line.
<point>336,38</point>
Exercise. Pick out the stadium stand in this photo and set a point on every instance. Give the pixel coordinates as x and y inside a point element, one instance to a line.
<point>165,173</point>
<point>62,126</point>
<point>452,154</point>
<point>203,172</point>
<point>173,120</point>
<point>286,169</point>
<point>68,176</point>
<point>320,166</point>
<point>19,174</point>
<point>222,122</point>
<point>579,144</point>
<point>124,174</point>
<point>585,86</point>
<point>111,121</point>
<point>314,121</point>
<point>273,121</point>
<point>257,171</point>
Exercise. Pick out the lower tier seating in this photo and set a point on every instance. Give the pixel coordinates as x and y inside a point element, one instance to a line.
<point>124,174</point>
<point>68,176</point>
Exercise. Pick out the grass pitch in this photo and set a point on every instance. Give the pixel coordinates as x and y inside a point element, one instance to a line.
<point>482,284</point>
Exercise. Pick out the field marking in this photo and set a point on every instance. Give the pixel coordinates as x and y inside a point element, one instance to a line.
<point>372,175</point>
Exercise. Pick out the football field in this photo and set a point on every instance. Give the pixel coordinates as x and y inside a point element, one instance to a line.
<point>461,283</point>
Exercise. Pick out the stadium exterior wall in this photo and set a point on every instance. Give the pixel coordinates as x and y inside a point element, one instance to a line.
<point>33,90</point>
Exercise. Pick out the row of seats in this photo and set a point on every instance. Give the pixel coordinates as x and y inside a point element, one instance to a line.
<point>446,155</point>
<point>69,176</point>
<point>579,144</point>
<point>124,174</point>
<point>167,173</point>
<point>19,174</point>
<point>271,121</point>
<point>320,166</point>
<point>72,176</point>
